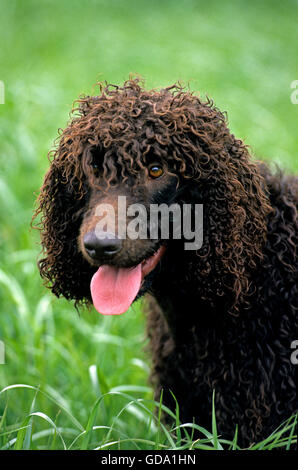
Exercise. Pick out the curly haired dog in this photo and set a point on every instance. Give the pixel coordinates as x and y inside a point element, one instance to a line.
<point>223,317</point>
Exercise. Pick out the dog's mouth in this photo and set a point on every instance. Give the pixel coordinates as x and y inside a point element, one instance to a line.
<point>113,289</point>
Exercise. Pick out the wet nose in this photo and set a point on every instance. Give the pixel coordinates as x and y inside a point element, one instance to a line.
<point>100,245</point>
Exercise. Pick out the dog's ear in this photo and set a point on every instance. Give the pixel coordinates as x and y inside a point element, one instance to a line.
<point>237,215</point>
<point>60,206</point>
<point>236,206</point>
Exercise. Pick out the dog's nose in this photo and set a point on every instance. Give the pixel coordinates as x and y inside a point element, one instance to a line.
<point>101,245</point>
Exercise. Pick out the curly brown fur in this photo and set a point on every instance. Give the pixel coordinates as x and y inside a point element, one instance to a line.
<point>226,314</point>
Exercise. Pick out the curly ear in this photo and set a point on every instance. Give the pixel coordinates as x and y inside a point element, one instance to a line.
<point>60,203</point>
<point>230,186</point>
<point>238,209</point>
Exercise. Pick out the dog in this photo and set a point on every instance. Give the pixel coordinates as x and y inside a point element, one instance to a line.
<point>221,317</point>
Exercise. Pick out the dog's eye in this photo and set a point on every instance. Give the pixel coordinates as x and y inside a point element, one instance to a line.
<point>155,171</point>
<point>95,168</point>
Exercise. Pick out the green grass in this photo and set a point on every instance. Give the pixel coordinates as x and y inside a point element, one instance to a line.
<point>85,377</point>
<point>119,413</point>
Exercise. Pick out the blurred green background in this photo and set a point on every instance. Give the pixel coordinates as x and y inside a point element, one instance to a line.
<point>242,54</point>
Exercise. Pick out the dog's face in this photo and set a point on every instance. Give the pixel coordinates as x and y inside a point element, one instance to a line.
<point>116,237</point>
<point>148,147</point>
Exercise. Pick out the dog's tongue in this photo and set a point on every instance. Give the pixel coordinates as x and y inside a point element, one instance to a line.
<point>114,289</point>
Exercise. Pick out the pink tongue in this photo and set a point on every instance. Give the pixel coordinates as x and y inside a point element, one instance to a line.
<point>114,289</point>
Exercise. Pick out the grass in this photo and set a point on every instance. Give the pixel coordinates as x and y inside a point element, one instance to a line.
<point>116,434</point>
<point>85,376</point>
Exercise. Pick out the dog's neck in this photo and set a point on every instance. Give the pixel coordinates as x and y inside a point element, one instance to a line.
<point>180,300</point>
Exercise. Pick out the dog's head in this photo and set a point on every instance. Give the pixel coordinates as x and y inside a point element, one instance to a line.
<point>123,152</point>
